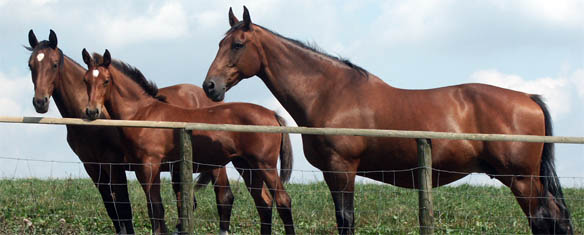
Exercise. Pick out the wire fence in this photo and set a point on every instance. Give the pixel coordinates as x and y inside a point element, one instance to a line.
<point>61,205</point>
<point>72,205</point>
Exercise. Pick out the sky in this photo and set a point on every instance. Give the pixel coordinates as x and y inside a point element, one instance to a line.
<point>534,46</point>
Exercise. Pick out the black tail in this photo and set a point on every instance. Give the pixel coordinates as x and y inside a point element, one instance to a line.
<point>286,158</point>
<point>203,179</point>
<point>548,175</point>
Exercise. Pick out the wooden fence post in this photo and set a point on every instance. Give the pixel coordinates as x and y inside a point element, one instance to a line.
<point>426,214</point>
<point>186,182</point>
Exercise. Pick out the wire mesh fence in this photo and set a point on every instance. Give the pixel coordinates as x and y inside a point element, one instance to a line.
<point>73,205</point>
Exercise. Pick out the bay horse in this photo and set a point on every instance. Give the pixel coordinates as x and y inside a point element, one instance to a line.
<point>55,74</point>
<point>127,95</point>
<point>320,90</point>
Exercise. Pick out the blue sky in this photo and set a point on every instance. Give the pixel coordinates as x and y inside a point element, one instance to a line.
<point>533,46</point>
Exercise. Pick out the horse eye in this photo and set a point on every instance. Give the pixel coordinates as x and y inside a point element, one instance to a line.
<point>106,82</point>
<point>54,66</point>
<point>237,45</point>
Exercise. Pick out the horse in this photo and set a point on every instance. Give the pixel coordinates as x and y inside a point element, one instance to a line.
<point>55,74</point>
<point>127,95</point>
<point>320,90</point>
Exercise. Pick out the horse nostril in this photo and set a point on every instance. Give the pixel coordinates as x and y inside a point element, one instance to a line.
<point>46,99</point>
<point>210,85</point>
<point>38,102</point>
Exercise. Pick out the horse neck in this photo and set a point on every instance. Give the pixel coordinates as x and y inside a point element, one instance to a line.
<point>299,78</point>
<point>70,93</point>
<point>125,98</point>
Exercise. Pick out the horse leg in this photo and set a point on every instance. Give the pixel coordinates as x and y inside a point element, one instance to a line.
<point>531,175</point>
<point>283,200</point>
<point>149,177</point>
<point>121,199</point>
<point>223,197</point>
<point>120,213</point>
<point>262,199</point>
<point>341,183</point>
<point>539,207</point>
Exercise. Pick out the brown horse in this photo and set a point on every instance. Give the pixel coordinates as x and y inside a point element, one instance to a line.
<point>320,90</point>
<point>127,95</point>
<point>55,74</point>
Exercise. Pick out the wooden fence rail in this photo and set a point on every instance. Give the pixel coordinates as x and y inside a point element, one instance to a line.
<point>298,130</point>
<point>423,139</point>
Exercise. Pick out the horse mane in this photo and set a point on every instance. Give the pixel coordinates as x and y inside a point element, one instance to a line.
<point>309,46</point>
<point>136,75</point>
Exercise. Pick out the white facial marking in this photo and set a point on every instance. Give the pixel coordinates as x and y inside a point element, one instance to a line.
<point>40,57</point>
<point>95,73</point>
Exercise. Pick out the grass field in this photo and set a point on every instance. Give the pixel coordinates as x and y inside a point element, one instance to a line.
<point>74,206</point>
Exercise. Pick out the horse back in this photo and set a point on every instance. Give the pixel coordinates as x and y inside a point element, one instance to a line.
<point>186,95</point>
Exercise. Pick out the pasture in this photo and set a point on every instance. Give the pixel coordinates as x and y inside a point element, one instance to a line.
<point>73,206</point>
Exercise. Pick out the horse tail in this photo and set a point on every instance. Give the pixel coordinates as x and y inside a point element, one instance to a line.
<point>286,158</point>
<point>548,175</point>
<point>203,180</point>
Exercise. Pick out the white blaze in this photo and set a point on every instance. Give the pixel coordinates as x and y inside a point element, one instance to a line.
<point>40,57</point>
<point>95,73</point>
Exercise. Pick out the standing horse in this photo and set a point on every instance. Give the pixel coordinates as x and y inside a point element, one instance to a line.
<point>127,95</point>
<point>320,90</point>
<point>55,74</point>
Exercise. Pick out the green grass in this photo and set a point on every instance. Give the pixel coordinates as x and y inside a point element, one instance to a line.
<point>74,206</point>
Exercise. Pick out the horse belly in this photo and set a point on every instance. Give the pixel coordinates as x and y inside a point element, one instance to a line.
<point>395,161</point>
<point>211,151</point>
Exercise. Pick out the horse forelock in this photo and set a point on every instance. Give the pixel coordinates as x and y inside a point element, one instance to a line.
<point>44,45</point>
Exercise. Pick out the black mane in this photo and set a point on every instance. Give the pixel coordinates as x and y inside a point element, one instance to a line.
<point>309,46</point>
<point>135,74</point>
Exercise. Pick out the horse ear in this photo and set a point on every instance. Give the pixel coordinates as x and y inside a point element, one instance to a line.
<point>107,59</point>
<point>246,18</point>
<point>86,57</point>
<point>32,40</point>
<point>232,19</point>
<point>53,39</point>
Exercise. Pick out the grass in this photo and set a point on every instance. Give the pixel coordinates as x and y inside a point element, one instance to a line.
<point>73,206</point>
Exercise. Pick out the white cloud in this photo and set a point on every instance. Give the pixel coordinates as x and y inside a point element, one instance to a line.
<point>13,90</point>
<point>166,22</point>
<point>42,2</point>
<point>564,13</point>
<point>558,92</point>
<point>578,79</point>
<point>427,22</point>
<point>211,19</point>
<point>407,21</point>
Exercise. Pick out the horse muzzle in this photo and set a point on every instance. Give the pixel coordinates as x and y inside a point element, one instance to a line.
<point>214,91</point>
<point>41,105</point>
<point>92,114</point>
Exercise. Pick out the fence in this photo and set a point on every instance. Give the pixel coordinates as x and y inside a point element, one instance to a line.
<point>422,137</point>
